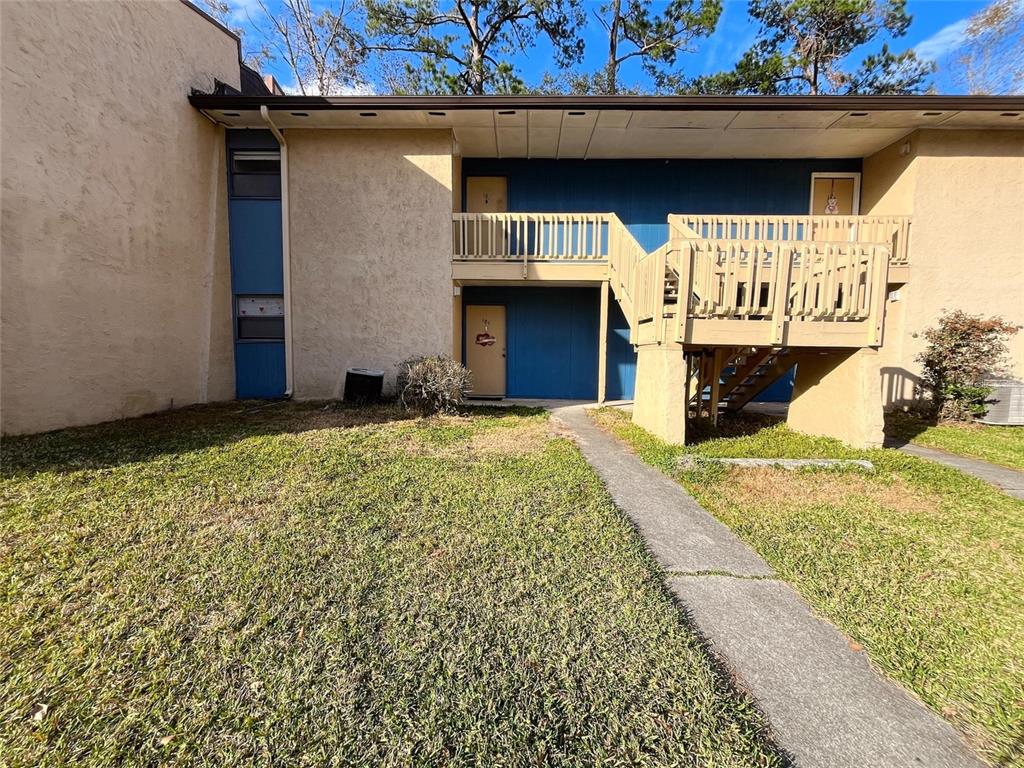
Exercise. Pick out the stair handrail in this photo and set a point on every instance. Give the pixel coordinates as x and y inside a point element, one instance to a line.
<point>624,257</point>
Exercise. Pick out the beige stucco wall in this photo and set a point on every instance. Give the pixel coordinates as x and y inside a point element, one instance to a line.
<point>115,297</point>
<point>370,252</point>
<point>829,397</point>
<point>965,191</point>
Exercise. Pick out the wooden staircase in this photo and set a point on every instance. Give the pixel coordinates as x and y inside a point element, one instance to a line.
<point>752,374</point>
<point>671,286</point>
<point>733,377</point>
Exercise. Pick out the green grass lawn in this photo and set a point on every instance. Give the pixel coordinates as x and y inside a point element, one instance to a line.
<point>1000,445</point>
<point>921,565</point>
<point>300,584</point>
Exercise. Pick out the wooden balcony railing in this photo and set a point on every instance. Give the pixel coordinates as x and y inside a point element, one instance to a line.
<point>761,280</point>
<point>893,231</point>
<point>778,283</point>
<point>531,236</point>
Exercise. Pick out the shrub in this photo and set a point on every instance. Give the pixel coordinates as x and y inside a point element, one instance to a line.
<point>434,384</point>
<point>961,351</point>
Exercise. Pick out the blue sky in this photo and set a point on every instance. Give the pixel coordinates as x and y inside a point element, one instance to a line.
<point>936,32</point>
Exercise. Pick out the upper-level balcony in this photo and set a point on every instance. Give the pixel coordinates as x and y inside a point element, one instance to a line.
<point>749,280</point>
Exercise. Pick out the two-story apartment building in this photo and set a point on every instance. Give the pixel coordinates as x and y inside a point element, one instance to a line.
<point>687,253</point>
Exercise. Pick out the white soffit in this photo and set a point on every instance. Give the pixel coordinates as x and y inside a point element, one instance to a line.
<point>986,120</point>
<point>614,119</point>
<point>577,128</point>
<point>477,142</point>
<point>667,119</point>
<point>782,119</point>
<point>545,128</point>
<point>513,141</point>
<point>625,133</point>
<point>900,119</point>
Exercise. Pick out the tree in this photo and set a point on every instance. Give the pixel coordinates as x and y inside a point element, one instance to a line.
<point>321,48</point>
<point>992,58</point>
<point>460,45</point>
<point>803,45</point>
<point>221,11</point>
<point>656,39</point>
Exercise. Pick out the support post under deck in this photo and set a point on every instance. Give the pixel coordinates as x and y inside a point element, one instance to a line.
<point>659,404</point>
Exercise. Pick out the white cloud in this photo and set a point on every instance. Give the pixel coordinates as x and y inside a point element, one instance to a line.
<point>362,89</point>
<point>733,35</point>
<point>943,42</point>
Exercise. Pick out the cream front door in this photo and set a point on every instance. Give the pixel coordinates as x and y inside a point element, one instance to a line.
<point>486,194</point>
<point>485,349</point>
<point>835,195</point>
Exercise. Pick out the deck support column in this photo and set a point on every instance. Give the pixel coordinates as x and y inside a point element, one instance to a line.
<point>839,394</point>
<point>602,346</point>
<point>659,405</point>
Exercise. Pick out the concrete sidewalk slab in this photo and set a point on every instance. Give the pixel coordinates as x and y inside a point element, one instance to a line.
<point>826,705</point>
<point>1009,480</point>
<point>681,535</point>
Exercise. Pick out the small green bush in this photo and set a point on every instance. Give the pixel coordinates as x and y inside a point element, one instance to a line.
<point>434,384</point>
<point>962,350</point>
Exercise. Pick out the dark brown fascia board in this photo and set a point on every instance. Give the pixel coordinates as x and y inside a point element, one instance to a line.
<point>652,103</point>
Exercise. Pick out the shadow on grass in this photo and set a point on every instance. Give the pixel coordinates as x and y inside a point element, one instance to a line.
<point>902,428</point>
<point>126,441</point>
<point>739,424</point>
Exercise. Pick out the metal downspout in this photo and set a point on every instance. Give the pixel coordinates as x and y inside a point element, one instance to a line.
<point>286,256</point>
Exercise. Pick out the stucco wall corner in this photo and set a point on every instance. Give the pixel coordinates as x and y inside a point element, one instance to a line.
<point>114,236</point>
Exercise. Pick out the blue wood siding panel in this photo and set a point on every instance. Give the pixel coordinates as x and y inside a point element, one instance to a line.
<point>552,341</point>
<point>255,240</point>
<point>781,391</point>
<point>643,192</point>
<point>621,370</point>
<point>259,369</point>
<point>255,246</point>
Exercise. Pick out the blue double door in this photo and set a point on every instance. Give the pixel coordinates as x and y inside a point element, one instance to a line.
<point>552,342</point>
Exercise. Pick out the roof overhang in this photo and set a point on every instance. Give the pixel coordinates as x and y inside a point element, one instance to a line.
<point>593,127</point>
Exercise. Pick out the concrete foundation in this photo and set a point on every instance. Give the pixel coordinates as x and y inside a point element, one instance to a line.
<point>838,394</point>
<point>659,402</point>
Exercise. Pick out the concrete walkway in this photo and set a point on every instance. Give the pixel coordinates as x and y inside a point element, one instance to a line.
<point>825,704</point>
<point>1009,480</point>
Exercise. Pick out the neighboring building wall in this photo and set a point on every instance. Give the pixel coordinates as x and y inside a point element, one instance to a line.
<point>371,240</point>
<point>115,268</point>
<point>964,191</point>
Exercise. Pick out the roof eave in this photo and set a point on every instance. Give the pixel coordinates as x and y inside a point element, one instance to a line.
<point>652,103</point>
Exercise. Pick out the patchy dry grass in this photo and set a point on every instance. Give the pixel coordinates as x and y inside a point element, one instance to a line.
<point>777,486</point>
<point>298,584</point>
<point>920,564</point>
<point>999,445</point>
